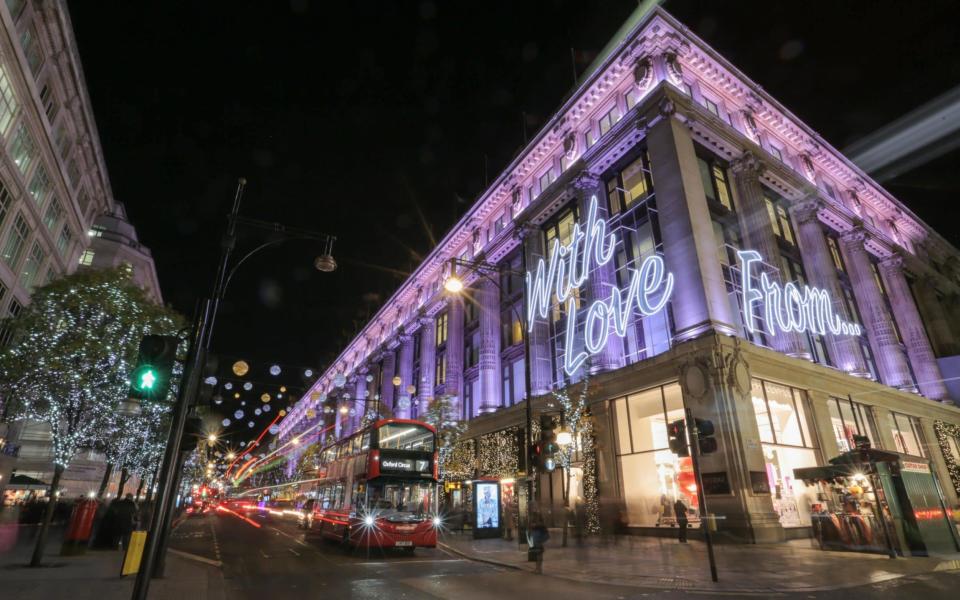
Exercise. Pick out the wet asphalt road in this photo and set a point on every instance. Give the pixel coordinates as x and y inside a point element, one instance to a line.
<point>275,561</point>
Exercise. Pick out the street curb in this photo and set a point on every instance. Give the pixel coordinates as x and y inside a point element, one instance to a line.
<point>944,565</point>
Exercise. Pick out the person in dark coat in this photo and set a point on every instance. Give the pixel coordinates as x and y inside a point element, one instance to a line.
<point>536,539</point>
<point>680,512</point>
<point>126,514</point>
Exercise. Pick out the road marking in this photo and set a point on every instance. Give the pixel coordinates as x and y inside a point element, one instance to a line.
<point>407,562</point>
<point>294,552</point>
<point>292,537</point>
<point>195,557</point>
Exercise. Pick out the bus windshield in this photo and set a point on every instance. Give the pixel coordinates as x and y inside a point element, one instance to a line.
<point>406,436</point>
<point>401,500</point>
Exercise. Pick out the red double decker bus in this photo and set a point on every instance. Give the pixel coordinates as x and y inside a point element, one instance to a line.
<point>378,488</point>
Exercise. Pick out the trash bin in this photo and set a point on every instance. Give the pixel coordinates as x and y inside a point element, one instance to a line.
<point>77,535</point>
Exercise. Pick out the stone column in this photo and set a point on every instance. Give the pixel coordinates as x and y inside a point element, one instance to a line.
<point>360,395</point>
<point>389,366</point>
<point>724,398</point>
<point>758,233</point>
<point>428,363</point>
<point>541,359</point>
<point>934,315</point>
<point>919,351</point>
<point>818,265</point>
<point>488,299</point>
<point>373,391</point>
<point>602,278</point>
<point>406,377</point>
<point>691,252</point>
<point>891,360</point>
<point>453,385</point>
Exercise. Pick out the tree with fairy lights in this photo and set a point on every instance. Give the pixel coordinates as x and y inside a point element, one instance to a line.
<point>74,347</point>
<point>577,421</point>
<point>442,415</point>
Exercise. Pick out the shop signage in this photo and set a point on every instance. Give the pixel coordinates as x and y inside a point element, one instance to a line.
<point>914,467</point>
<point>786,308</point>
<point>569,266</point>
<point>404,464</point>
<point>790,307</point>
<point>488,505</point>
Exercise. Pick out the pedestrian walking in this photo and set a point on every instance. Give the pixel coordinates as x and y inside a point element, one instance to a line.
<point>126,513</point>
<point>508,516</point>
<point>579,520</point>
<point>680,512</point>
<point>536,538</point>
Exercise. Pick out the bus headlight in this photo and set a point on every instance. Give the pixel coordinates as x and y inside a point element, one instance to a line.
<point>368,521</point>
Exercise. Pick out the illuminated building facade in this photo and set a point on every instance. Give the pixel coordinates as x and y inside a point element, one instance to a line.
<point>689,243</point>
<point>57,211</point>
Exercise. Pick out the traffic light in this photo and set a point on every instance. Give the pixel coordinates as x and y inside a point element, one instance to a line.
<point>677,435</point>
<point>546,448</point>
<point>705,431</point>
<point>150,378</point>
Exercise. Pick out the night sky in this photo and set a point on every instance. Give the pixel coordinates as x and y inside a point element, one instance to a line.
<point>380,122</point>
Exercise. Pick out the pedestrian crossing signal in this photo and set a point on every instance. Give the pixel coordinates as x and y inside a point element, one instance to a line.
<point>150,378</point>
<point>677,436</point>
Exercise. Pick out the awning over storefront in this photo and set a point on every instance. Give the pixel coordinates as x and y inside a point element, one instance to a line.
<point>23,482</point>
<point>847,464</point>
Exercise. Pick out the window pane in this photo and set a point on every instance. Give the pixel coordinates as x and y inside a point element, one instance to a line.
<point>8,101</point>
<point>647,421</point>
<point>786,422</point>
<point>760,408</point>
<point>623,427</point>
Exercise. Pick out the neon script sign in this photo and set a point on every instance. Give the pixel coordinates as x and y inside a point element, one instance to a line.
<point>789,307</point>
<point>569,267</point>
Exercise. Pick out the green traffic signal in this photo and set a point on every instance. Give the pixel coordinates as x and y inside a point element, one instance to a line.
<point>145,379</point>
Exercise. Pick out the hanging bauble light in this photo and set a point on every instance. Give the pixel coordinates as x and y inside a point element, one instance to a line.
<point>243,403</point>
<point>403,402</point>
<point>279,395</point>
<point>323,397</point>
<point>308,372</point>
<point>257,411</point>
<point>238,414</point>
<point>311,413</point>
<point>411,389</point>
<point>228,386</point>
<point>315,396</point>
<point>283,388</point>
<point>236,395</point>
<point>248,386</point>
<point>283,413</point>
<point>218,399</point>
<point>266,408</point>
<point>339,380</point>
<point>265,397</point>
<point>226,422</point>
<point>250,424</point>
<point>346,396</point>
<point>274,430</point>
<point>396,380</point>
<point>275,370</point>
<point>210,380</point>
<point>240,368</point>
<point>353,412</point>
<point>369,378</point>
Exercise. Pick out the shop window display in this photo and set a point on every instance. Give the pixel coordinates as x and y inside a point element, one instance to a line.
<point>787,445</point>
<point>653,477</point>
<point>849,418</point>
<point>907,434</point>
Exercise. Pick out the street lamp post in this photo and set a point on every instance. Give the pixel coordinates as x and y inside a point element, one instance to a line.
<point>152,562</point>
<point>455,285</point>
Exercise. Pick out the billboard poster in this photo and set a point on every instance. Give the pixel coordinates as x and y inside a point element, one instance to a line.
<point>488,505</point>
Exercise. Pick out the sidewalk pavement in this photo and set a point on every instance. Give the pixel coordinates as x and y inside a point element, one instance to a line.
<point>664,563</point>
<point>96,575</point>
